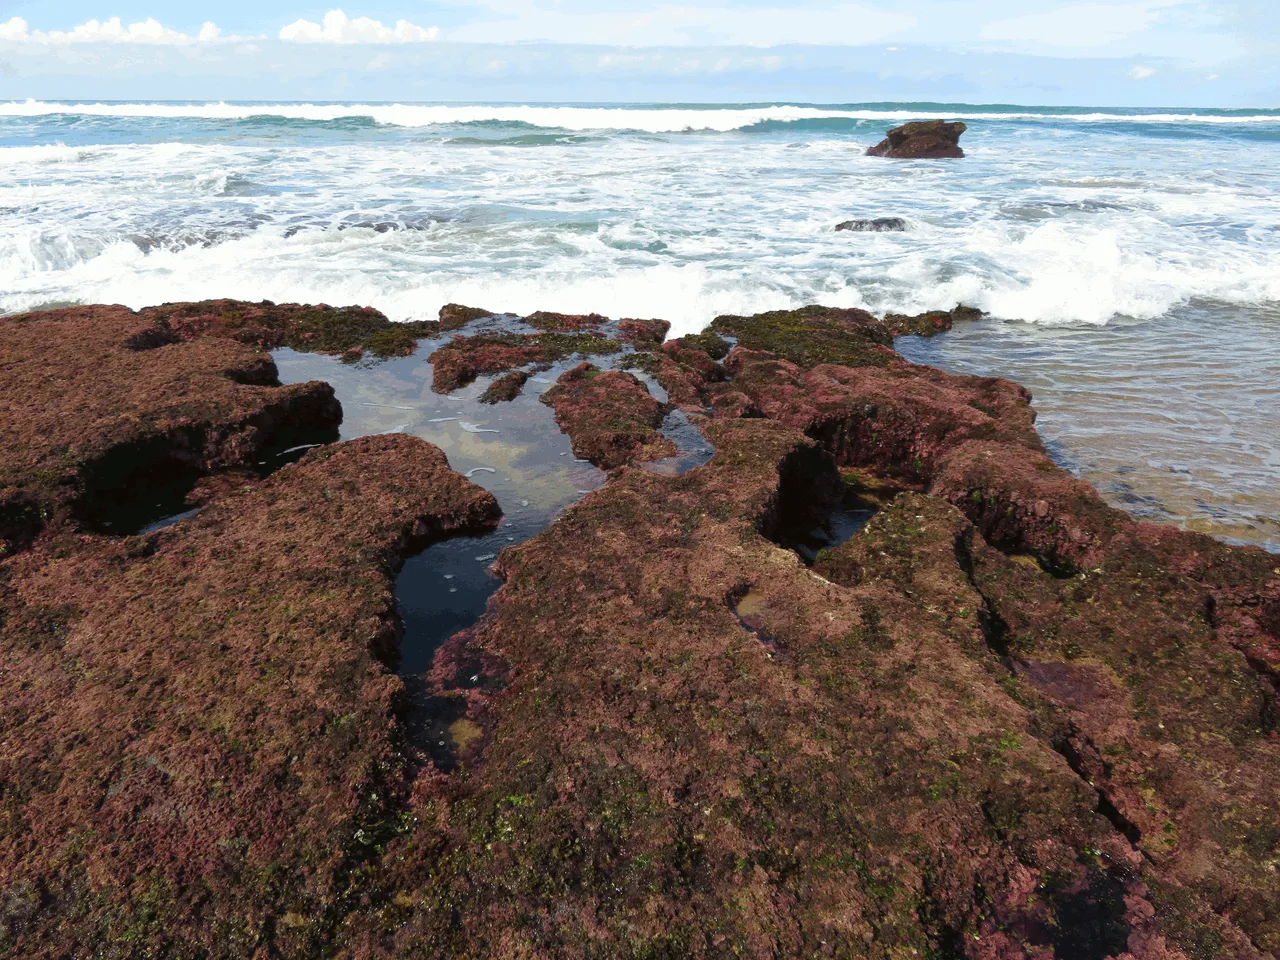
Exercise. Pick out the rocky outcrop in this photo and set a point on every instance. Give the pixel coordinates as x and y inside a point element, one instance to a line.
<point>921,140</point>
<point>1002,721</point>
<point>352,331</point>
<point>199,751</point>
<point>609,416</point>
<point>879,225</point>
<point>100,402</point>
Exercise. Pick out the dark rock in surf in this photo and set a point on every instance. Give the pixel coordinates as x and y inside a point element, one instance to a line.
<point>879,225</point>
<point>930,323</point>
<point>922,140</point>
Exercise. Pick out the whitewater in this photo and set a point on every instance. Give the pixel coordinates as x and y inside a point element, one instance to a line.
<point>1101,241</point>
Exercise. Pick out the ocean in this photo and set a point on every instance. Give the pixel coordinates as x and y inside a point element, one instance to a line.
<point>1129,259</point>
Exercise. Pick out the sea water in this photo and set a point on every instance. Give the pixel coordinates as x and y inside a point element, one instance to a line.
<point>1130,260</point>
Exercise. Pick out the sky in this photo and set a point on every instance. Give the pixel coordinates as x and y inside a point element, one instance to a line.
<point>1068,52</point>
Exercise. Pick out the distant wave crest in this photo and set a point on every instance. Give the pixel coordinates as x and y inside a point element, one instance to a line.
<point>658,119</point>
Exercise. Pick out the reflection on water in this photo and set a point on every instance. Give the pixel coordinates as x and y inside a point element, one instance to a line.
<point>514,450</point>
<point>1175,419</point>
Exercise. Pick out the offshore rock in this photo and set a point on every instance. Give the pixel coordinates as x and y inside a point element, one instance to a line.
<point>921,140</point>
<point>879,225</point>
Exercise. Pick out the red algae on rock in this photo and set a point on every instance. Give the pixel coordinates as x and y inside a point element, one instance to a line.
<point>200,749</point>
<point>316,329</point>
<point>1001,721</point>
<point>609,416</point>
<point>91,398</point>
<point>643,334</point>
<point>463,359</point>
<point>506,388</point>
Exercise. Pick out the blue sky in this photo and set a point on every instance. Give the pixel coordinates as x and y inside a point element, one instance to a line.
<point>1099,52</point>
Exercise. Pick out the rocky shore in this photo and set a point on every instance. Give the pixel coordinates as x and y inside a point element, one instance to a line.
<point>989,716</point>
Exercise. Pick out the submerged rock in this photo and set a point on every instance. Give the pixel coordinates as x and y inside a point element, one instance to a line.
<point>921,140</point>
<point>881,225</point>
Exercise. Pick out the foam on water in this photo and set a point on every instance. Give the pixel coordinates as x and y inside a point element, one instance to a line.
<point>1051,220</point>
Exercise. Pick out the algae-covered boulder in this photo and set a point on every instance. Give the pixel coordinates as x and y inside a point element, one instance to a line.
<point>921,140</point>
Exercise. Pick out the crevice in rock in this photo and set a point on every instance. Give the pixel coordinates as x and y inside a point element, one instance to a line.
<point>995,631</point>
<point>20,523</point>
<point>1086,762</point>
<point>1092,920</point>
<point>146,486</point>
<point>815,508</point>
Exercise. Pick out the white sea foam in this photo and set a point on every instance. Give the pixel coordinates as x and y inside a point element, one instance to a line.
<point>649,120</point>
<point>1063,228</point>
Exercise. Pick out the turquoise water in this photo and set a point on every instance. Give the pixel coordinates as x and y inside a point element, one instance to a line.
<point>1067,225</point>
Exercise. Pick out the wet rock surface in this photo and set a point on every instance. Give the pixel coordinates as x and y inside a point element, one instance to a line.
<point>96,401</point>
<point>921,140</point>
<point>609,416</point>
<point>877,225</point>
<point>707,712</point>
<point>200,744</point>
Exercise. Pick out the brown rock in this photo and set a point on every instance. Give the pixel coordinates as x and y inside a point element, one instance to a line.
<point>93,399</point>
<point>506,388</point>
<point>921,140</point>
<point>609,416</point>
<point>314,329</point>
<point>198,743</point>
<point>644,334</point>
<point>454,316</point>
<point>459,362</point>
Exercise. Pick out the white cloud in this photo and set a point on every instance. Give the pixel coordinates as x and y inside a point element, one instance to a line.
<point>149,31</point>
<point>1142,73</point>
<point>337,27</point>
<point>1081,24</point>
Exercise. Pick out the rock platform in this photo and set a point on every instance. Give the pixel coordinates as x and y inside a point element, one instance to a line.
<point>1002,720</point>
